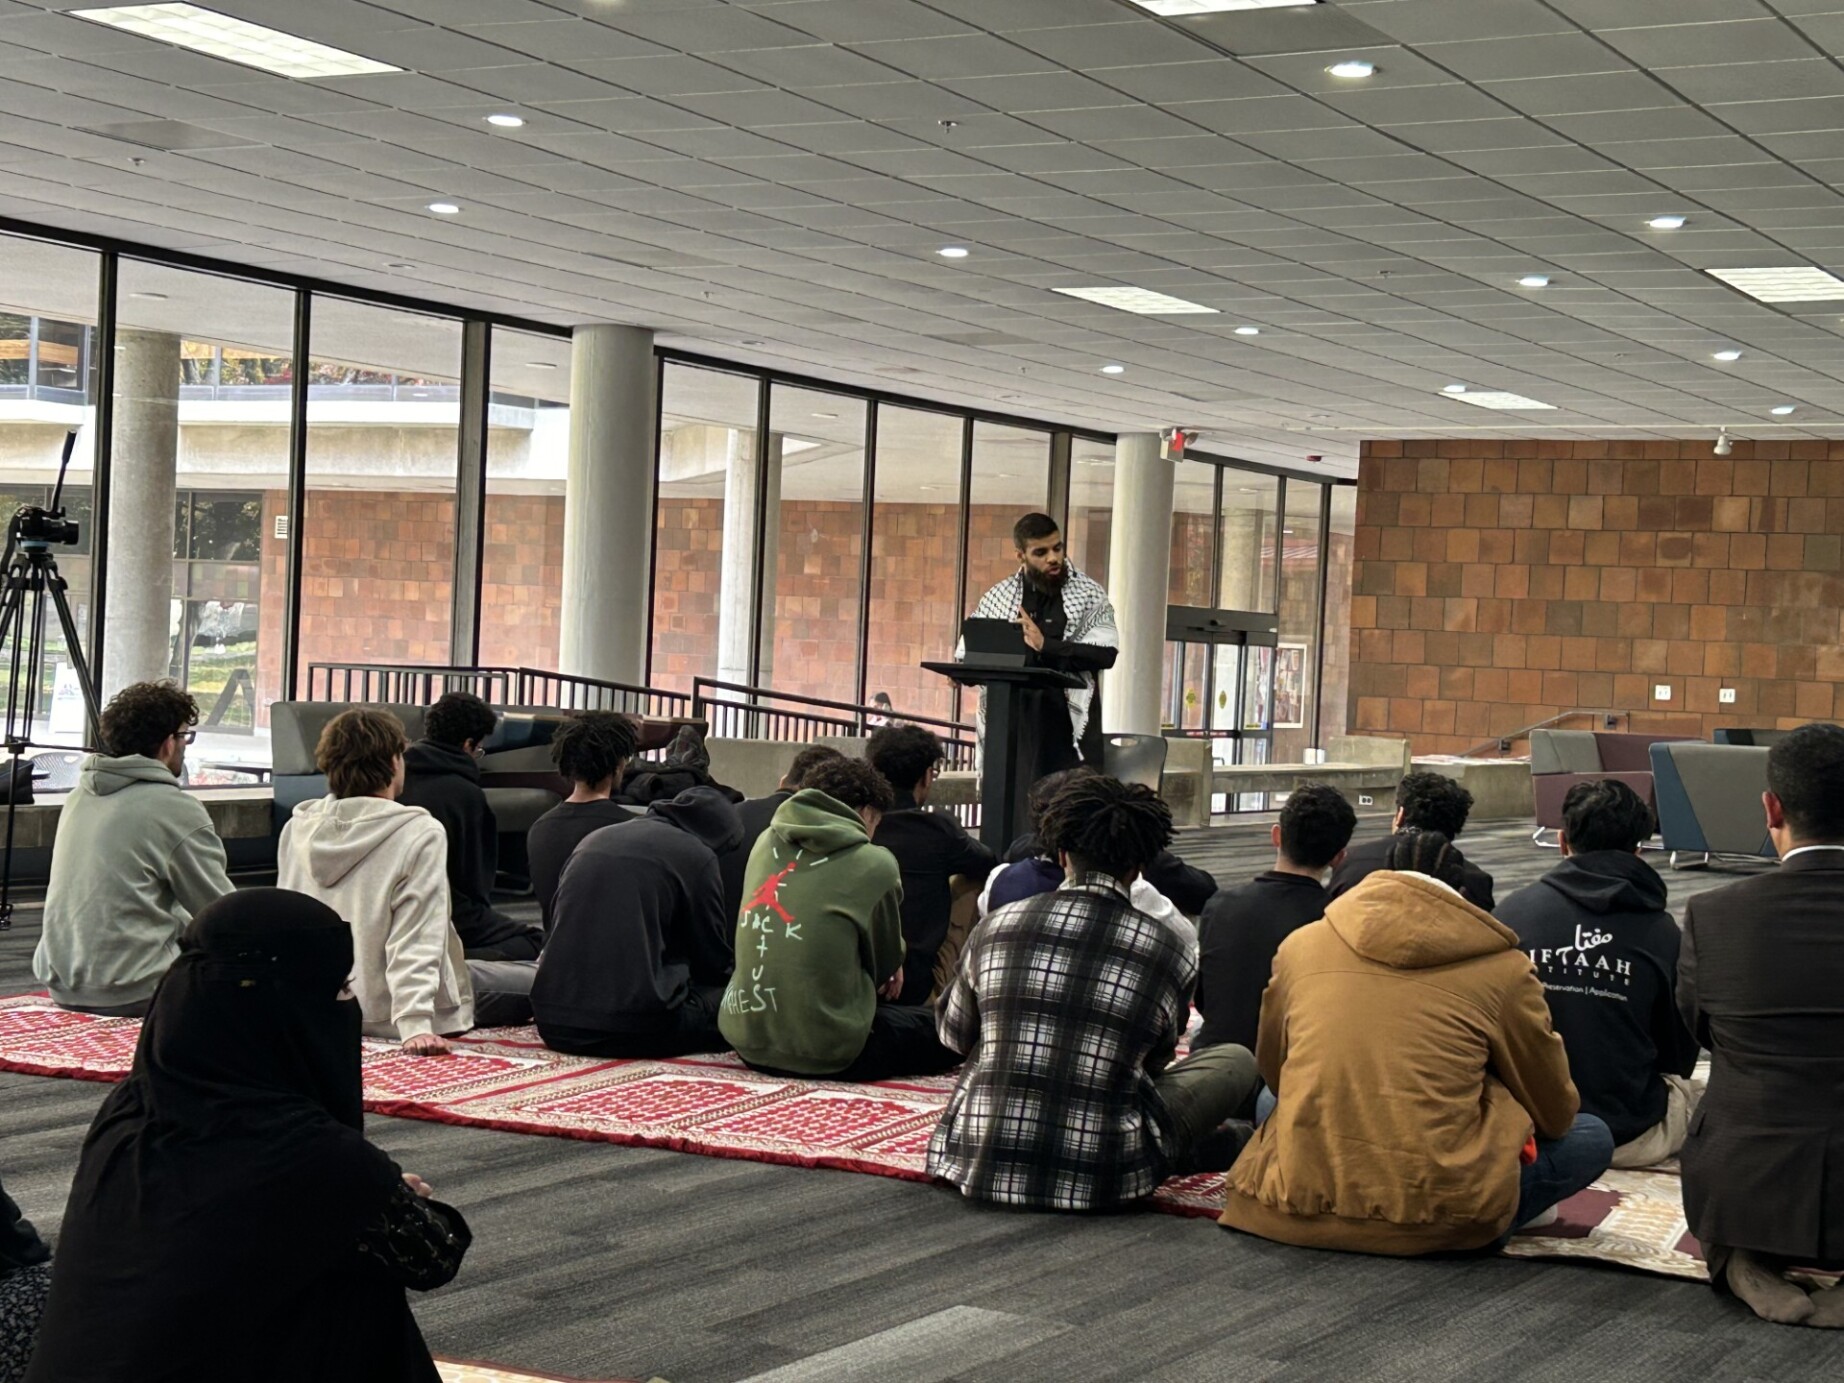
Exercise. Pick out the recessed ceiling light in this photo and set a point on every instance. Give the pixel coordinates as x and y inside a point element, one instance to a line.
<point>1174,8</point>
<point>1534,281</point>
<point>236,40</point>
<point>445,208</point>
<point>1453,388</point>
<point>399,264</point>
<point>151,297</point>
<point>1727,355</point>
<point>1799,285</point>
<point>1498,398</point>
<point>825,415</point>
<point>1114,369</point>
<point>1667,222</point>
<point>1141,300</point>
<point>1781,410</point>
<point>1248,331</point>
<point>1353,68</point>
<point>505,121</point>
<point>953,252</point>
<point>752,343</point>
<point>540,364</point>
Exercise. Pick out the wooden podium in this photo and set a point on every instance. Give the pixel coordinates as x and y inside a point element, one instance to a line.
<point>1005,782</point>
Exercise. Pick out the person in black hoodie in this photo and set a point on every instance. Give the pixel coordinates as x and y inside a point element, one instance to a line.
<point>1424,802</point>
<point>1607,953</point>
<point>640,947</point>
<point>756,813</point>
<point>442,776</point>
<point>592,750</point>
<point>931,849</point>
<point>1242,927</point>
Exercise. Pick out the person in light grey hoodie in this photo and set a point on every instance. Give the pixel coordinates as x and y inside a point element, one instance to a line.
<point>383,866</point>
<point>135,856</point>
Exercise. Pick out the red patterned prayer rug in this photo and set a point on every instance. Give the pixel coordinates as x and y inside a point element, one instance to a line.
<point>506,1079</point>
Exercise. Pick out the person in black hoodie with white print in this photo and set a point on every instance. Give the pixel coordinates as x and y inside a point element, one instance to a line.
<point>640,945</point>
<point>1607,952</point>
<point>442,776</point>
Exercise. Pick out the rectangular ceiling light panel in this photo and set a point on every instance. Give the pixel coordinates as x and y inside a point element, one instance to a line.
<point>1141,300</point>
<point>1183,7</point>
<point>1497,398</point>
<point>1801,285</point>
<point>237,40</point>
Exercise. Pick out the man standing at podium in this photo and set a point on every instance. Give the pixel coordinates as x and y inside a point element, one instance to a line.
<point>1068,624</point>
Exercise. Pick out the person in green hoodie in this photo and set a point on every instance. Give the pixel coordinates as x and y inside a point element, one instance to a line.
<point>819,942</point>
<point>134,858</point>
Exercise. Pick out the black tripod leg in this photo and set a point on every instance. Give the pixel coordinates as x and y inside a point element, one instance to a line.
<point>85,684</point>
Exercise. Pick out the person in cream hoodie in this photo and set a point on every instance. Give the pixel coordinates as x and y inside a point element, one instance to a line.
<point>383,866</point>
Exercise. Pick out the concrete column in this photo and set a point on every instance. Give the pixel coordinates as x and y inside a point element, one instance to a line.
<point>1245,535</point>
<point>740,619</point>
<point>1139,571</point>
<point>138,627</point>
<point>608,504</point>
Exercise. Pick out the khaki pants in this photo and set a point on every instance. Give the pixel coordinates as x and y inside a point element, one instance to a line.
<point>961,917</point>
<point>1665,1139</point>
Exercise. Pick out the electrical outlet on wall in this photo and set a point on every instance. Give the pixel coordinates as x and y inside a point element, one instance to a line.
<point>1661,692</point>
<point>1726,696</point>
<point>1366,800</point>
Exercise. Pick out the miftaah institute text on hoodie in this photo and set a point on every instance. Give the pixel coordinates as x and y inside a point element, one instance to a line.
<point>135,857</point>
<point>383,867</point>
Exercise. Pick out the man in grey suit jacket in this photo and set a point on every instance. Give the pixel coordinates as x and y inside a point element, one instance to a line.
<point>1761,984</point>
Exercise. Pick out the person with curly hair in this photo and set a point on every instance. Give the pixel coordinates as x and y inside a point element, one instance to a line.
<point>592,749</point>
<point>1069,1007</point>
<point>442,776</point>
<point>819,942</point>
<point>134,858</point>
<point>1424,802</point>
<point>757,812</point>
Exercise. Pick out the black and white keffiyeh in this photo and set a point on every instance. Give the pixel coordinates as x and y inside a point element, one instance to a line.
<point>1090,617</point>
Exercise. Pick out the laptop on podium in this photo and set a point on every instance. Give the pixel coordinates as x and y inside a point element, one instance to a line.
<point>994,643</point>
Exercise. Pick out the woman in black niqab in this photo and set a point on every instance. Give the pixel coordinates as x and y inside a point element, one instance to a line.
<point>229,1221</point>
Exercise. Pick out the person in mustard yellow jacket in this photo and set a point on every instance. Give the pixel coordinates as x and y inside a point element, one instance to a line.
<point>1409,1047</point>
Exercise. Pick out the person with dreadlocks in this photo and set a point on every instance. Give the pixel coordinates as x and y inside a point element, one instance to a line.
<point>1069,1007</point>
<point>1423,1099</point>
<point>1068,624</point>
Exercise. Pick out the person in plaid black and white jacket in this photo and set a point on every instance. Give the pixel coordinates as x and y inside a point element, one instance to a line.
<point>1069,1007</point>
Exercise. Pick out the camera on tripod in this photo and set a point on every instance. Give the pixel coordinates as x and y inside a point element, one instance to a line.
<point>33,524</point>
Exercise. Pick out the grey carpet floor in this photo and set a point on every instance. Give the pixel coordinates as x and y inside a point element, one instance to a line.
<point>597,1261</point>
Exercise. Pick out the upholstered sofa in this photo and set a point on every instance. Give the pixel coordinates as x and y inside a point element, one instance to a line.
<point>1709,798</point>
<point>1759,739</point>
<point>1559,759</point>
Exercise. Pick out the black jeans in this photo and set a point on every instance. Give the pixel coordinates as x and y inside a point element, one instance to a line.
<point>691,1027</point>
<point>901,1043</point>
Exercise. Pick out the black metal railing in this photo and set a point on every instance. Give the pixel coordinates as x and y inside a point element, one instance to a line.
<point>1501,744</point>
<point>406,684</point>
<point>732,710</point>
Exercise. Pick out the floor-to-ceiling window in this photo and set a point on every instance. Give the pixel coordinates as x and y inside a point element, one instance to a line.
<point>378,537</point>
<point>915,538</point>
<point>528,459</point>
<point>1335,684</point>
<point>1011,478</point>
<point>1090,525</point>
<point>704,541</point>
<point>1296,659</point>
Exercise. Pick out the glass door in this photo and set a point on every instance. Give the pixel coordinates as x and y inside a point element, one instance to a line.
<point>1219,686</point>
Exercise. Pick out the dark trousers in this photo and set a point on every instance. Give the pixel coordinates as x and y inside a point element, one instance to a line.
<point>901,1043</point>
<point>689,1028</point>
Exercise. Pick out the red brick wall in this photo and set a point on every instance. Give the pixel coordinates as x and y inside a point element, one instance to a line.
<point>819,568</point>
<point>687,562</point>
<point>377,576</point>
<point>1498,583</point>
<point>912,604</point>
<point>521,598</point>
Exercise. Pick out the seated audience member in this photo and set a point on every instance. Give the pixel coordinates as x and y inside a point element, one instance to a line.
<point>1409,1046</point>
<point>1243,927</point>
<point>640,948</point>
<point>1186,887</point>
<point>1424,802</point>
<point>442,776</point>
<point>819,942</point>
<point>379,864</point>
<point>757,812</point>
<point>1761,984</point>
<point>1040,872</point>
<point>1607,953</point>
<point>229,1220</point>
<point>931,849</point>
<point>25,1278</point>
<point>592,750</point>
<point>134,858</point>
<point>1069,1007</point>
